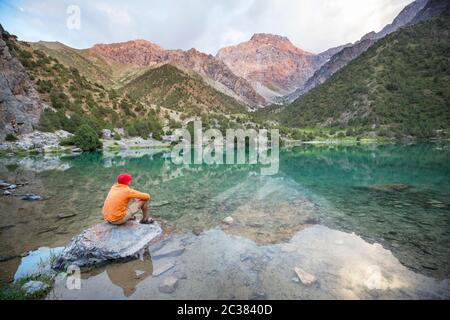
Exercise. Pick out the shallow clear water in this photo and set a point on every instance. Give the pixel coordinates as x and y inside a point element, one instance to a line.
<point>395,195</point>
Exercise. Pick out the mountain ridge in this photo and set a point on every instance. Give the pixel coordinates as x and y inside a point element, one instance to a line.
<point>396,87</point>
<point>348,53</point>
<point>271,63</point>
<point>147,54</point>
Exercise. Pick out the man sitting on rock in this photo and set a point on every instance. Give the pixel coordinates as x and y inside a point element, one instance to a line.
<point>122,202</point>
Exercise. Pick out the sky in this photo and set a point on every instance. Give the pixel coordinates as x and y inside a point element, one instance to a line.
<point>207,25</point>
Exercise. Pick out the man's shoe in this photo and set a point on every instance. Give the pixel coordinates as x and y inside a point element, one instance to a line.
<point>148,221</point>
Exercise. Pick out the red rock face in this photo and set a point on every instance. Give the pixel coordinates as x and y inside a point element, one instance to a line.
<point>138,52</point>
<point>145,53</point>
<point>270,60</point>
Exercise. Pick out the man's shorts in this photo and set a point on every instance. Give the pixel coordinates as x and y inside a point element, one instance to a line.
<point>132,210</point>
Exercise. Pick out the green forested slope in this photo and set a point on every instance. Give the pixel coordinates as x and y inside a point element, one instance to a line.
<point>172,88</point>
<point>399,86</point>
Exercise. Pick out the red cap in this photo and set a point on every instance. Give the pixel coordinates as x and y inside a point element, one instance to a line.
<point>124,178</point>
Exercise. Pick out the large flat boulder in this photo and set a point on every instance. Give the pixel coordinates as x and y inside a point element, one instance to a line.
<point>106,242</point>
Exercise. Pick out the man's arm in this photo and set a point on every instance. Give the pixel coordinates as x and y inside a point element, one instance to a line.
<point>138,195</point>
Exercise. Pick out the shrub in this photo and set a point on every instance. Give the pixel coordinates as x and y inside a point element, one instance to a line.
<point>143,128</point>
<point>86,139</point>
<point>116,136</point>
<point>11,137</point>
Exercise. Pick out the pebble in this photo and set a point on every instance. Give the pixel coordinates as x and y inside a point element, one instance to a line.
<point>168,285</point>
<point>228,220</point>
<point>197,231</point>
<point>305,277</point>
<point>138,274</point>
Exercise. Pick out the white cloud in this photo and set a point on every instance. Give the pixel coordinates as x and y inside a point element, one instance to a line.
<point>313,25</point>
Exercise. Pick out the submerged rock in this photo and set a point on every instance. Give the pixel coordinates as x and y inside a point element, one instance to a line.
<point>305,277</point>
<point>168,285</point>
<point>106,242</point>
<point>65,215</point>
<point>385,187</point>
<point>31,197</point>
<point>4,184</point>
<point>7,226</point>
<point>7,258</point>
<point>228,220</point>
<point>170,249</point>
<point>32,287</point>
<point>161,266</point>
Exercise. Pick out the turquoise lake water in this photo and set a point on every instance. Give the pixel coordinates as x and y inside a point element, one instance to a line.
<point>394,195</point>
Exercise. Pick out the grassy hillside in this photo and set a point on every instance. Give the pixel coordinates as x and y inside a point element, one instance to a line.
<point>400,86</point>
<point>143,106</point>
<point>73,100</point>
<point>172,88</point>
<point>93,68</point>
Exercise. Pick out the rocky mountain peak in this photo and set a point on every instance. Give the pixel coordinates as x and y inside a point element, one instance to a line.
<point>139,52</point>
<point>268,37</point>
<point>145,53</point>
<point>271,63</point>
<point>276,41</point>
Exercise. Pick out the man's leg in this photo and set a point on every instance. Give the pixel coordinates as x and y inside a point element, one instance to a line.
<point>144,207</point>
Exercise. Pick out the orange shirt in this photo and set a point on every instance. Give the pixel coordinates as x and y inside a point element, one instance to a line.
<point>117,201</point>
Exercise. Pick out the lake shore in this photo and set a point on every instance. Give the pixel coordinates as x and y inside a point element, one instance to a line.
<point>49,143</point>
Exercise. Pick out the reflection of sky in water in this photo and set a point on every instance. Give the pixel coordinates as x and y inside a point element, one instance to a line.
<point>216,265</point>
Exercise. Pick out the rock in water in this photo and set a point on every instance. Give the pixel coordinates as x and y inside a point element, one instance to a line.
<point>105,242</point>
<point>31,197</point>
<point>305,277</point>
<point>168,285</point>
<point>32,287</point>
<point>385,187</point>
<point>228,220</point>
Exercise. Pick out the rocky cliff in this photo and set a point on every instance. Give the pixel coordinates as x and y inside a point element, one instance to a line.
<point>432,9</point>
<point>20,107</point>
